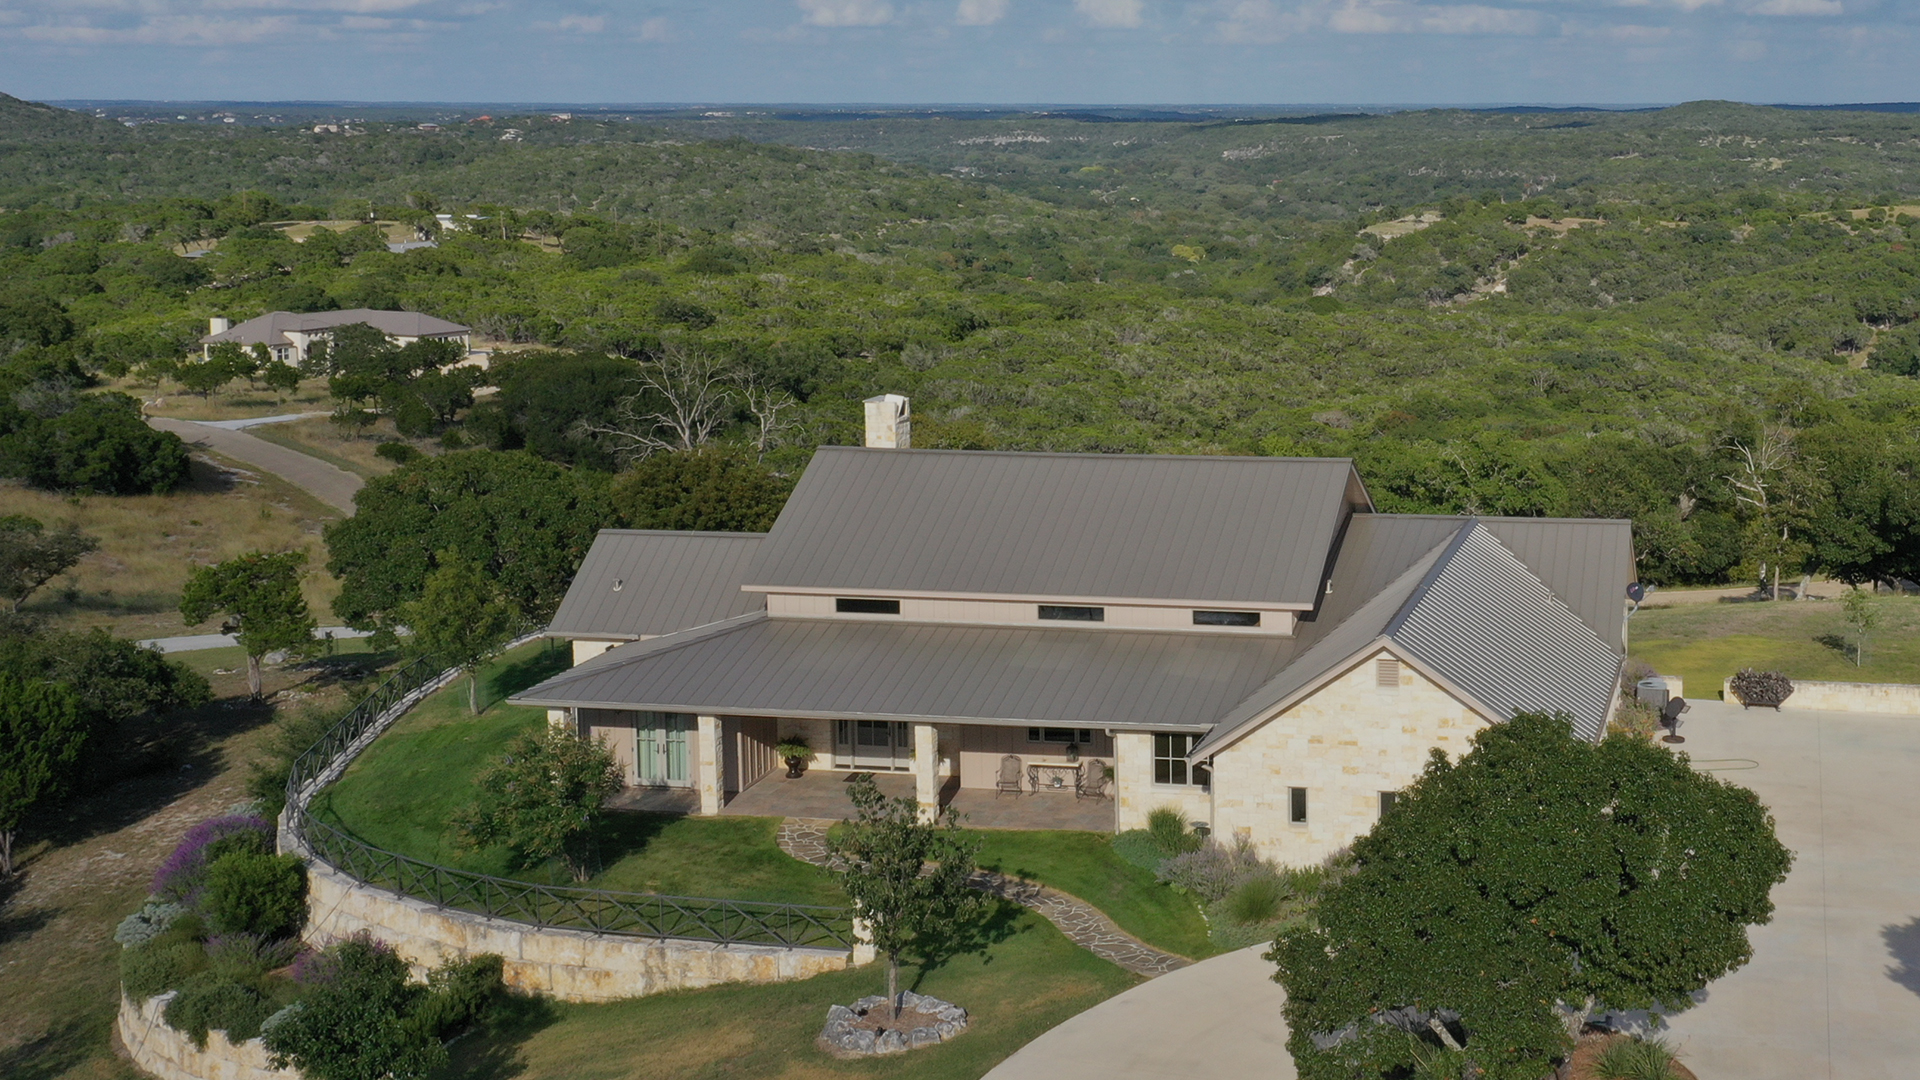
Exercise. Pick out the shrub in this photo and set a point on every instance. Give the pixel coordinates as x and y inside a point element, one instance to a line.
<point>148,923</point>
<point>358,1020</point>
<point>211,1001</point>
<point>159,966</point>
<point>459,992</point>
<point>1168,827</point>
<point>1761,687</point>
<point>256,894</point>
<point>397,452</point>
<point>1137,847</point>
<point>1256,899</point>
<point>1212,871</point>
<point>1632,1059</point>
<point>182,874</point>
<point>247,956</point>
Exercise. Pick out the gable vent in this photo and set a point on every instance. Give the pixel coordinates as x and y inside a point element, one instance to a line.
<point>1386,673</point>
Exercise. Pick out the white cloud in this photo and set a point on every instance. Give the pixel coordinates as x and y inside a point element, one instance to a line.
<point>1262,22</point>
<point>847,12</point>
<point>656,29</point>
<point>1748,51</point>
<point>980,12</point>
<point>1126,14</point>
<point>166,30</point>
<point>1401,17</point>
<point>577,24</point>
<point>1796,7</point>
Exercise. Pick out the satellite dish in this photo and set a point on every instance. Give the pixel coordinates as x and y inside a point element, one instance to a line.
<point>1636,592</point>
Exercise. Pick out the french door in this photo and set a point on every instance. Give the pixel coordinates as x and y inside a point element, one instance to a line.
<point>660,749</point>
<point>872,744</point>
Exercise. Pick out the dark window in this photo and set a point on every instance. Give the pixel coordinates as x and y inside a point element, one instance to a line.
<point>1297,805</point>
<point>1226,618</point>
<point>1387,799</point>
<point>860,605</point>
<point>1170,761</point>
<point>1062,735</point>
<point>1073,614</point>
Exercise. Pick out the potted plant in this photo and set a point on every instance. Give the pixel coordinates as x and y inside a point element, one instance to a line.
<point>795,752</point>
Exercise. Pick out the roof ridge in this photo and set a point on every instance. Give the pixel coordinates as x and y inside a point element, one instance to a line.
<point>1433,574</point>
<point>681,532</point>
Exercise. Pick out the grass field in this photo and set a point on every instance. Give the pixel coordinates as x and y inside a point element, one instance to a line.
<point>1084,864</point>
<point>1017,979</point>
<point>150,543</point>
<point>1706,643</point>
<point>236,401</point>
<point>325,440</point>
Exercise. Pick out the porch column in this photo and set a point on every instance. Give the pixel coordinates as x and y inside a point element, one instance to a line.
<point>707,738</point>
<point>1132,779</point>
<point>926,769</point>
<point>563,719</point>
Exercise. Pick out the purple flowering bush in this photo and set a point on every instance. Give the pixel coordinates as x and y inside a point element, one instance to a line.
<point>182,876</point>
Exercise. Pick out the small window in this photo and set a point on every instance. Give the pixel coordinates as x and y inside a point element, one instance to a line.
<point>1064,613</point>
<point>1062,735</point>
<point>1297,805</point>
<point>1386,673</point>
<point>1170,761</point>
<point>1387,799</point>
<point>861,605</point>
<point>1226,618</point>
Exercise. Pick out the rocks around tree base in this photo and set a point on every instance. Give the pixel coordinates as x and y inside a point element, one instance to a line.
<point>867,1028</point>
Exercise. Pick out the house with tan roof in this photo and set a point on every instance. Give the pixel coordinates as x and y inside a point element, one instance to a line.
<point>1242,638</point>
<point>287,335</point>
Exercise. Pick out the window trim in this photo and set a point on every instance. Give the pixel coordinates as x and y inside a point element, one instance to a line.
<point>865,605</point>
<point>1197,775</point>
<point>1080,613</point>
<point>1081,737</point>
<point>1296,806</point>
<point>1215,617</point>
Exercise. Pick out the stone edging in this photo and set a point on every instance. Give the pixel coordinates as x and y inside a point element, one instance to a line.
<point>170,1055</point>
<point>1082,923</point>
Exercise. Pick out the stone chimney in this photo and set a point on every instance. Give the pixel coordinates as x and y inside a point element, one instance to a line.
<point>218,325</point>
<point>889,422</point>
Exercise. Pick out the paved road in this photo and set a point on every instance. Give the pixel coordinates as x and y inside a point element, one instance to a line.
<point>328,483</point>
<point>255,421</point>
<point>1216,1020</point>
<point>1832,992</point>
<point>200,642</point>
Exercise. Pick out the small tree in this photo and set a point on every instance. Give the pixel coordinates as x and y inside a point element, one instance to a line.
<point>461,618</point>
<point>30,556</point>
<point>542,799</point>
<point>1863,615</point>
<point>41,736</point>
<point>907,876</point>
<point>1509,894</point>
<point>281,378</point>
<point>260,595</point>
<point>359,1021</point>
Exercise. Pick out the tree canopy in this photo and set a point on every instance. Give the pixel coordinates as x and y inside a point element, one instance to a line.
<point>460,618</point>
<point>720,488</point>
<point>1507,895</point>
<point>261,596</point>
<point>41,736</point>
<point>30,556</point>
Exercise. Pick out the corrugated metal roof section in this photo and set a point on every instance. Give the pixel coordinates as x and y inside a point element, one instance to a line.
<point>1587,563</point>
<point>1362,619</point>
<point>666,581</point>
<point>902,671</point>
<point>1492,627</point>
<point>1375,550</point>
<point>1204,529</point>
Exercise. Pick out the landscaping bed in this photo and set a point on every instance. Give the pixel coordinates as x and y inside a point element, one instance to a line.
<point>1087,866</point>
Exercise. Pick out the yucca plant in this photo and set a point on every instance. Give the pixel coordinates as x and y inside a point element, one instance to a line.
<point>1635,1059</point>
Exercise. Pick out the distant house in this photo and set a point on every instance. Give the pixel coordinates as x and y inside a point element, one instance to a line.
<point>288,336</point>
<point>1241,638</point>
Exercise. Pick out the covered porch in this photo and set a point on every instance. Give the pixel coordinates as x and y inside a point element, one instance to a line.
<point>822,793</point>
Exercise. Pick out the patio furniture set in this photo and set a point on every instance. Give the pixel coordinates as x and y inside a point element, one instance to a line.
<point>1088,778</point>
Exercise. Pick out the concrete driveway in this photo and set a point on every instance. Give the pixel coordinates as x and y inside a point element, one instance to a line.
<point>1833,990</point>
<point>328,483</point>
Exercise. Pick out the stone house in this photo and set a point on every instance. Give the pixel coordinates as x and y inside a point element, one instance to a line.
<point>1242,638</point>
<point>287,336</point>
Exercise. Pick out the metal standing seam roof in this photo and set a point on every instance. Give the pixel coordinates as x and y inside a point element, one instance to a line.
<point>271,328</point>
<point>1587,562</point>
<point>856,669</point>
<point>1103,527</point>
<point>637,583</point>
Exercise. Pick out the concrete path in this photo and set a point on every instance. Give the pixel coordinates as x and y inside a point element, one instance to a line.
<point>330,484</point>
<point>1216,1020</point>
<point>255,421</point>
<point>200,642</point>
<point>1082,923</point>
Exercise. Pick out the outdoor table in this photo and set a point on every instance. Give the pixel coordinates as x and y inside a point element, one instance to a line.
<point>1058,767</point>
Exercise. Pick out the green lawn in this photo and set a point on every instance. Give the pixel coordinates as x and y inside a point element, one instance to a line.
<point>1084,864</point>
<point>1018,979</point>
<point>401,794</point>
<point>1706,643</point>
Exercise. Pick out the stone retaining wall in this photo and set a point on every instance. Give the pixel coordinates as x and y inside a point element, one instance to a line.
<point>1897,699</point>
<point>572,965</point>
<point>171,1055</point>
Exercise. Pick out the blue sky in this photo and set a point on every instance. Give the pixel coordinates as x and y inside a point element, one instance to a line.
<point>988,51</point>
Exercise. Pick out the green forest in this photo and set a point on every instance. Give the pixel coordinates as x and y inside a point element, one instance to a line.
<point>1705,318</point>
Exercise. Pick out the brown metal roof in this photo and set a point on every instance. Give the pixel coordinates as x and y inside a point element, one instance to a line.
<point>847,669</point>
<point>1101,527</point>
<point>271,328</point>
<point>642,583</point>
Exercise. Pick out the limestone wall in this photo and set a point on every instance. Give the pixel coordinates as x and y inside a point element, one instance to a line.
<point>171,1055</point>
<point>1346,744</point>
<point>1136,795</point>
<point>572,965</point>
<point>1897,699</point>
